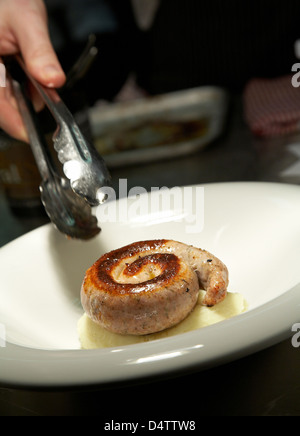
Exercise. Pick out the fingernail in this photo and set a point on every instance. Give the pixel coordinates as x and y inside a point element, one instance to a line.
<point>51,70</point>
<point>38,104</point>
<point>23,135</point>
<point>50,73</point>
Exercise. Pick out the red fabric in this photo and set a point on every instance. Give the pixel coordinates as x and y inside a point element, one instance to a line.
<point>272,106</point>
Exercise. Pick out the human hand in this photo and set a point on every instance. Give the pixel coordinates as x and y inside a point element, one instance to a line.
<point>24,29</point>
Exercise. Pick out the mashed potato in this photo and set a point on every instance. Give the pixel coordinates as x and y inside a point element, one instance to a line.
<point>93,336</point>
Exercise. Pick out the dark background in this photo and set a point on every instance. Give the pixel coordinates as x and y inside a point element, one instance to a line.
<point>191,43</point>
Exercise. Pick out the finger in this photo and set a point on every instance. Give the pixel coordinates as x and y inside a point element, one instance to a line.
<point>35,97</point>
<point>10,118</point>
<point>36,47</point>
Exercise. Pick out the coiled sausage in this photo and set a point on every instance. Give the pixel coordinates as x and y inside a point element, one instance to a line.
<point>149,286</point>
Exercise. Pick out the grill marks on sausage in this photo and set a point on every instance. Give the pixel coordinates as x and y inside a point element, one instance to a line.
<point>168,264</point>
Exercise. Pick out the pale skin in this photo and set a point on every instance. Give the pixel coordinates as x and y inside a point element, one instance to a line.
<point>24,29</point>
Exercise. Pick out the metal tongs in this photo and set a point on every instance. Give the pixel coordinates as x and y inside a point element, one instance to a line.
<point>69,197</point>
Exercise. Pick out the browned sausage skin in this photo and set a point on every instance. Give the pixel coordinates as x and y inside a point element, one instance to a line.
<point>149,286</point>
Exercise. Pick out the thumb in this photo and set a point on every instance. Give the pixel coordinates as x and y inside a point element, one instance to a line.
<point>36,48</point>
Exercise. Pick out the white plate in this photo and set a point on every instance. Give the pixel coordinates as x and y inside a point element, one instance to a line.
<point>254,228</point>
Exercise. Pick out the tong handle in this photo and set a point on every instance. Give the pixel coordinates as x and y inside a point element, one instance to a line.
<point>82,165</point>
<point>59,110</point>
<point>83,64</point>
<point>35,139</point>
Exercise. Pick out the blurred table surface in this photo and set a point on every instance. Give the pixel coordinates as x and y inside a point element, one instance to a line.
<point>266,383</point>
